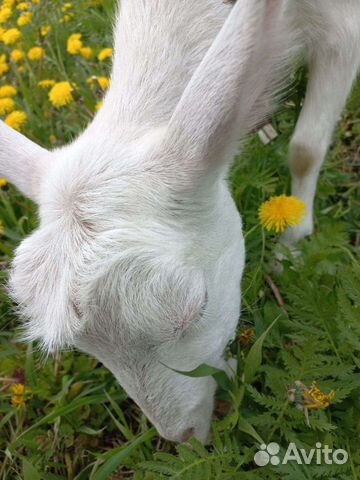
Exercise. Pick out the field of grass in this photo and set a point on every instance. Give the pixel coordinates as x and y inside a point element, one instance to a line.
<point>66,417</point>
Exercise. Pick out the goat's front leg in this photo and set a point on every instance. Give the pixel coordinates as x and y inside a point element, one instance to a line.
<point>331,75</point>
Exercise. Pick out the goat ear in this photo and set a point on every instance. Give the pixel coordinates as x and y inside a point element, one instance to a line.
<point>22,162</point>
<point>228,93</point>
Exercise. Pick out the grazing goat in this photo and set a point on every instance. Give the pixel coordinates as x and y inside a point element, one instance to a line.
<point>139,254</point>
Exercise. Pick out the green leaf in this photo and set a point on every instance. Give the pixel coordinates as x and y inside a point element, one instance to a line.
<point>229,422</point>
<point>115,460</point>
<point>254,357</point>
<point>30,373</point>
<point>204,370</point>
<point>29,471</point>
<point>90,431</point>
<point>246,427</point>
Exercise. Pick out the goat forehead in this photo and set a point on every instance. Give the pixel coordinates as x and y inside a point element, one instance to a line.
<point>115,178</point>
<point>97,194</point>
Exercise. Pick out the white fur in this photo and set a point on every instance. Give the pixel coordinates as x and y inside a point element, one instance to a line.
<point>139,254</point>
<point>331,32</point>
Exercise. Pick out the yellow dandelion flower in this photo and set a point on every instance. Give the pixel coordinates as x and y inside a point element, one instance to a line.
<point>5,14</point>
<point>315,399</point>
<point>46,83</point>
<point>98,106</point>
<point>2,31</point>
<point>66,18</point>
<point>16,119</point>
<point>36,53</point>
<point>309,399</point>
<point>35,2</point>
<point>7,91</point>
<point>104,82</point>
<point>61,94</point>
<point>3,182</point>
<point>246,337</point>
<point>66,7</point>
<point>22,6</point>
<point>86,52</point>
<point>4,68</point>
<point>281,212</point>
<point>24,19</point>
<point>45,30</point>
<point>105,54</point>
<point>17,55</point>
<point>74,44</point>
<point>8,3</point>
<point>19,393</point>
<point>11,36</point>
<point>7,105</point>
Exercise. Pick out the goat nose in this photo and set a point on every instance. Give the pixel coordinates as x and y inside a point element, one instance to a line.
<point>189,432</point>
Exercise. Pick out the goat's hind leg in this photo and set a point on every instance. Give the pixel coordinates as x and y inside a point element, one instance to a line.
<point>331,75</point>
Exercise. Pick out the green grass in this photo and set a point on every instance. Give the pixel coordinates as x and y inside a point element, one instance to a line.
<point>77,422</point>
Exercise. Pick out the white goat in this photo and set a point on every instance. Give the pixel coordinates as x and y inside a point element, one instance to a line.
<point>139,254</point>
